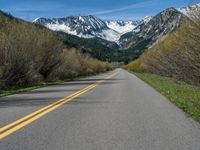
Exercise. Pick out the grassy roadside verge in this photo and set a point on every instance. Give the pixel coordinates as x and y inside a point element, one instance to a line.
<point>185,96</point>
<point>16,90</point>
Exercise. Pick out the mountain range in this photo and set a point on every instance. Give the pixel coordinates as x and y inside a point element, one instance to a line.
<point>134,34</point>
<point>113,40</point>
<point>91,26</point>
<point>160,25</point>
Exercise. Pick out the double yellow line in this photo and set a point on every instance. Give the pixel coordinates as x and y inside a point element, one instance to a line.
<point>20,123</point>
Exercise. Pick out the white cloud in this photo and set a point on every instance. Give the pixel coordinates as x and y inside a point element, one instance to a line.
<point>135,5</point>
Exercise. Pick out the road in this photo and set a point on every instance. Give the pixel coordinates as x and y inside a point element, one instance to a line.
<point>119,113</point>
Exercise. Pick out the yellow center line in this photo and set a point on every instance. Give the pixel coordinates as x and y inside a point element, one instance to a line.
<point>18,124</point>
<point>38,111</point>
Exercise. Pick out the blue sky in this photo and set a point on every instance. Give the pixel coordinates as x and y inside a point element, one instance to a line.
<point>104,9</point>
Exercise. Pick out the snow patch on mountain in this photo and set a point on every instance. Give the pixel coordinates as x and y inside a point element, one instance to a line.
<point>122,26</point>
<point>110,35</point>
<point>127,26</point>
<point>61,27</point>
<point>187,10</point>
<point>147,19</point>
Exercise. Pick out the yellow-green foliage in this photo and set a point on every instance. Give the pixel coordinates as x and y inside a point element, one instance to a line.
<point>136,65</point>
<point>28,54</point>
<point>31,54</point>
<point>76,64</point>
<point>177,56</point>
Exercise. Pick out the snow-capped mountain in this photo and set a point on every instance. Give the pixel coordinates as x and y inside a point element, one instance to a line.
<point>92,27</point>
<point>187,10</point>
<point>122,26</point>
<point>127,26</point>
<point>82,26</point>
<point>126,34</point>
<point>159,26</point>
<point>147,19</point>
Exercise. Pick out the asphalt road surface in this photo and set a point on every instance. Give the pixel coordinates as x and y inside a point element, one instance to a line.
<point>119,113</point>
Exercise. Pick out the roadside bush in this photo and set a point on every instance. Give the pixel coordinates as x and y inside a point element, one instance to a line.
<point>136,65</point>
<point>177,56</point>
<point>29,54</point>
<point>75,64</point>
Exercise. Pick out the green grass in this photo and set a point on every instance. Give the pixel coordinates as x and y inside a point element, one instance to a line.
<point>16,90</point>
<point>185,96</point>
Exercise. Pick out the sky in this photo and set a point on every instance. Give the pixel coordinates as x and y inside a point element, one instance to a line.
<point>104,9</point>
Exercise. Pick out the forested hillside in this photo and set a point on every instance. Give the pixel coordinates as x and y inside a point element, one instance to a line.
<point>31,54</point>
<point>90,46</point>
<point>177,56</point>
